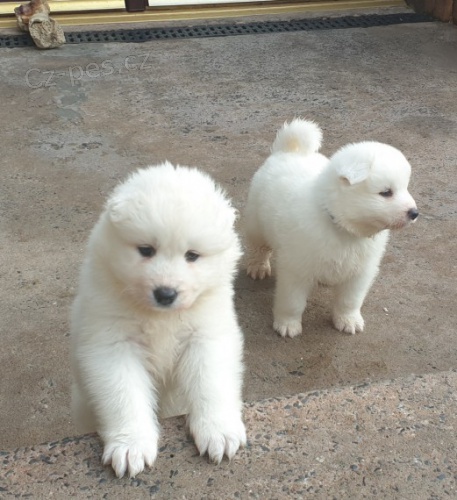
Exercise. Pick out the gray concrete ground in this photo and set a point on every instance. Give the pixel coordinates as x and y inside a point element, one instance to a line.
<point>391,440</point>
<point>78,119</point>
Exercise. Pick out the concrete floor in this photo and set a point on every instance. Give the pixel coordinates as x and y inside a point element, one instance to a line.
<point>389,441</point>
<point>72,128</point>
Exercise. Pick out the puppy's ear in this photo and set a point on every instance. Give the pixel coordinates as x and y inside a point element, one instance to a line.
<point>354,173</point>
<point>117,209</point>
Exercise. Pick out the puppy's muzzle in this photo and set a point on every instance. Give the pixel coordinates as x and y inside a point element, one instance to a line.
<point>413,214</point>
<point>164,295</point>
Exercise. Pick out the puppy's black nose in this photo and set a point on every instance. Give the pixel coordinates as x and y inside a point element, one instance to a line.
<point>413,213</point>
<point>165,296</point>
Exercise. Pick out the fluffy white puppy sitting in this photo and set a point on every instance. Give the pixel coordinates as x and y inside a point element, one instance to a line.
<point>327,221</point>
<point>154,328</point>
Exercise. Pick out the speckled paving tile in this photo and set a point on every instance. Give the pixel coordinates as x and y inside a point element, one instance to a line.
<point>394,439</point>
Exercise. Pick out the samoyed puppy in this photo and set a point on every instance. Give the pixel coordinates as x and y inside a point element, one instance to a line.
<point>327,220</point>
<point>153,326</point>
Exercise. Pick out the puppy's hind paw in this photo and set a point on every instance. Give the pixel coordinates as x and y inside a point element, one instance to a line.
<point>349,323</point>
<point>259,264</point>
<point>258,270</point>
<point>289,328</point>
<point>131,457</point>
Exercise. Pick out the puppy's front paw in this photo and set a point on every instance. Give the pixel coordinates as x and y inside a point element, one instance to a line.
<point>288,328</point>
<point>218,437</point>
<point>349,323</point>
<point>129,456</point>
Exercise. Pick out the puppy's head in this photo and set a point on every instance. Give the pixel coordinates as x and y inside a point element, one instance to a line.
<point>169,237</point>
<point>371,192</point>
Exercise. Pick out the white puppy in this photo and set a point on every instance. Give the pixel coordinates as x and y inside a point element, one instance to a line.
<point>154,328</point>
<point>326,220</point>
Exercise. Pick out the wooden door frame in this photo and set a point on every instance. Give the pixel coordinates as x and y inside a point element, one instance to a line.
<point>444,10</point>
<point>136,5</point>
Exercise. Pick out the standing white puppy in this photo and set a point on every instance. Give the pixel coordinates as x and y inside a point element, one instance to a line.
<point>153,325</point>
<point>327,221</point>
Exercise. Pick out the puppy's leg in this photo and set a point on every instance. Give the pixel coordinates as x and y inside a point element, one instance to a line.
<point>259,252</point>
<point>122,397</point>
<point>290,299</point>
<point>259,262</point>
<point>211,372</point>
<point>349,298</point>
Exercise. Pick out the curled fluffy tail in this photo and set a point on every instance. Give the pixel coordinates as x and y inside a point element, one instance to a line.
<point>298,136</point>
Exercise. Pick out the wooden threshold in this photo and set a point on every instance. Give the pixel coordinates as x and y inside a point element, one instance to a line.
<point>88,12</point>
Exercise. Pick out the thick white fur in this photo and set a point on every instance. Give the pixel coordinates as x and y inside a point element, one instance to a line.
<point>133,358</point>
<point>326,221</point>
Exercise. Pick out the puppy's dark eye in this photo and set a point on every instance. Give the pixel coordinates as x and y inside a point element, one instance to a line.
<point>191,256</point>
<point>387,193</point>
<point>147,251</point>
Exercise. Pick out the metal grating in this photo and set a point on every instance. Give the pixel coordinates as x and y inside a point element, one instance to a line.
<point>148,34</point>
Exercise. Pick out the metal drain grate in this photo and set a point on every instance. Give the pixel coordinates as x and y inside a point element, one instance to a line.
<point>148,34</point>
